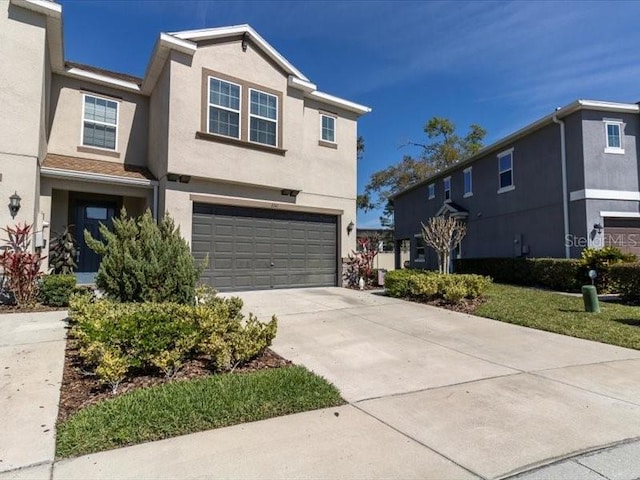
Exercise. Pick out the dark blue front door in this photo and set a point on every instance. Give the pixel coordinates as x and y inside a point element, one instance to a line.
<point>89,216</point>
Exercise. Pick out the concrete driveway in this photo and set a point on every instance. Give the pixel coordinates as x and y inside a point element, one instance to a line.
<point>432,394</point>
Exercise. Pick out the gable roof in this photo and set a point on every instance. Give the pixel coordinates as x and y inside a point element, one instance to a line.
<point>504,142</point>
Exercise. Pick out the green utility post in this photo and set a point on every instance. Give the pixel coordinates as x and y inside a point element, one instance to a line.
<point>590,295</point>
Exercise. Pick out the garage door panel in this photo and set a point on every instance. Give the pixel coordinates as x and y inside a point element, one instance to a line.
<point>257,248</point>
<point>623,233</point>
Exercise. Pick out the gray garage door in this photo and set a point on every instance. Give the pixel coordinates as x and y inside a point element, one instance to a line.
<point>253,248</point>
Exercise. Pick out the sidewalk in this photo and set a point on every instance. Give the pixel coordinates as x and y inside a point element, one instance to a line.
<point>31,362</point>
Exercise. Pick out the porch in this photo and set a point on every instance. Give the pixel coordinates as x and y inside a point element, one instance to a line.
<point>82,194</point>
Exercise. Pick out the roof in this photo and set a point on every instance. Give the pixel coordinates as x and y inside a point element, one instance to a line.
<point>66,163</point>
<point>528,129</point>
<point>185,42</point>
<point>101,71</point>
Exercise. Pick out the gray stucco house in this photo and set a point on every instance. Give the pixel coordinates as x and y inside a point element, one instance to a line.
<point>565,182</point>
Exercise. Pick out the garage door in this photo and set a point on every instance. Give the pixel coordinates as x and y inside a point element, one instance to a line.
<point>252,248</point>
<point>623,233</point>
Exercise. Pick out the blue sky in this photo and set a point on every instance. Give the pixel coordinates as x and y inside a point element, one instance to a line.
<point>499,64</point>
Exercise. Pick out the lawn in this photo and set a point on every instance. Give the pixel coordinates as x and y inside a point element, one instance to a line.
<point>616,324</point>
<point>183,407</point>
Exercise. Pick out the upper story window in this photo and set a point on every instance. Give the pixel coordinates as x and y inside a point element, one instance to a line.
<point>100,122</point>
<point>431,191</point>
<point>328,128</point>
<point>224,108</point>
<point>468,182</point>
<point>505,171</point>
<point>447,188</point>
<point>613,133</point>
<point>263,118</point>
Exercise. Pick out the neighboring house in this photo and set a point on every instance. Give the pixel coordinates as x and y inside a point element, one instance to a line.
<point>565,182</point>
<point>254,163</point>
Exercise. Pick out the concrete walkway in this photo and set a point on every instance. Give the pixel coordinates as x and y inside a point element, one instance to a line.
<point>31,361</point>
<point>432,394</point>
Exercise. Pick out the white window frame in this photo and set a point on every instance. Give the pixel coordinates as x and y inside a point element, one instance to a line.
<point>250,115</point>
<point>450,190</point>
<point>416,259</point>
<point>609,149</point>
<point>335,128</point>
<point>209,105</point>
<point>431,191</point>
<point>465,172</point>
<point>511,187</point>
<point>91,95</point>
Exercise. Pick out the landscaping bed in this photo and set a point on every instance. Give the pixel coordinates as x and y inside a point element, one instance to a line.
<point>32,309</point>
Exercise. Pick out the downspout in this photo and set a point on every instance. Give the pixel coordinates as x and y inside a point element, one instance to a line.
<point>565,195</point>
<point>155,202</point>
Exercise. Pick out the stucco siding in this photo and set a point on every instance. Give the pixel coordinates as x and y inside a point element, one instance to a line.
<point>159,124</point>
<point>66,129</point>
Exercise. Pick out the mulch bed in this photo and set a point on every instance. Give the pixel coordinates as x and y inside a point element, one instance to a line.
<point>466,306</point>
<point>81,389</point>
<point>4,308</point>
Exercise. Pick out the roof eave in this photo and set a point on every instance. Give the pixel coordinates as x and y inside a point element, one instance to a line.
<point>161,51</point>
<point>559,113</point>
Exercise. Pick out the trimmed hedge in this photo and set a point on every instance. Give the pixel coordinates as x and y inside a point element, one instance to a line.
<point>428,285</point>
<point>55,290</point>
<point>625,278</point>
<point>554,273</point>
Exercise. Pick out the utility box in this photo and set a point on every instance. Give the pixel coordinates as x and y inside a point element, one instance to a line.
<point>381,273</point>
<point>590,297</point>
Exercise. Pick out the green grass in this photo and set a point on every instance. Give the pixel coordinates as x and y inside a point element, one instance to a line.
<point>190,406</point>
<point>554,312</point>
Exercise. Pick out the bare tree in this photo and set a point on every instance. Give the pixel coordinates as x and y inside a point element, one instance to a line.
<point>443,234</point>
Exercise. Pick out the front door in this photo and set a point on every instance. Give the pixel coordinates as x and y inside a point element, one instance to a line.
<point>89,216</point>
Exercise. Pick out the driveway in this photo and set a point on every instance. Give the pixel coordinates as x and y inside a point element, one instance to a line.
<point>432,394</point>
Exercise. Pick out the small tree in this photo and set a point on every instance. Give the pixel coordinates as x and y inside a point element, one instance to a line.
<point>20,266</point>
<point>360,263</point>
<point>443,234</point>
<point>145,262</point>
<point>62,253</point>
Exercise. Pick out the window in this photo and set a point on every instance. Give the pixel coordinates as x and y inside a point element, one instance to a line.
<point>263,118</point>
<point>224,108</point>
<point>613,133</point>
<point>505,171</point>
<point>328,128</point>
<point>431,191</point>
<point>447,189</point>
<point>100,122</point>
<point>420,250</point>
<point>468,182</point>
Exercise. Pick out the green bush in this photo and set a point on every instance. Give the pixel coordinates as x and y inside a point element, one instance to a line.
<point>115,338</point>
<point>553,273</point>
<point>601,260</point>
<point>625,279</point>
<point>145,262</point>
<point>55,290</point>
<point>428,285</point>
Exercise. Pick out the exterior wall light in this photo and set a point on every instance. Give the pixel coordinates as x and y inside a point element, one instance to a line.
<point>598,227</point>
<point>14,204</point>
<point>350,227</point>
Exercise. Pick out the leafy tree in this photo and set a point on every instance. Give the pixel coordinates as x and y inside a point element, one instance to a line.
<point>145,262</point>
<point>445,149</point>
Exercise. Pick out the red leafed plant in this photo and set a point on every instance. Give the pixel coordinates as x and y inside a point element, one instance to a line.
<point>20,266</point>
<point>360,263</point>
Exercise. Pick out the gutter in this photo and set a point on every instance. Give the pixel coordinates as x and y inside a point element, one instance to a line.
<point>565,195</point>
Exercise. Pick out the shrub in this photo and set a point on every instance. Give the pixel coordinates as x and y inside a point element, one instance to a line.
<point>554,273</point>
<point>62,253</point>
<point>145,262</point>
<point>55,290</point>
<point>427,285</point>
<point>116,338</point>
<point>600,260</point>
<point>360,264</point>
<point>625,279</point>
<point>20,266</point>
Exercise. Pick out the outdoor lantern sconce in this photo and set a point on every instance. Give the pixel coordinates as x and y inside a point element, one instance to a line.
<point>598,228</point>
<point>14,204</point>
<point>350,227</point>
<point>244,42</point>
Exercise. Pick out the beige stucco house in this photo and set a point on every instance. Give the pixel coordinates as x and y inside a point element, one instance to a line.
<point>254,163</point>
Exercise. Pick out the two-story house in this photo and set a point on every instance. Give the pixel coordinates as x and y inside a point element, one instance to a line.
<point>254,163</point>
<point>565,182</point>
